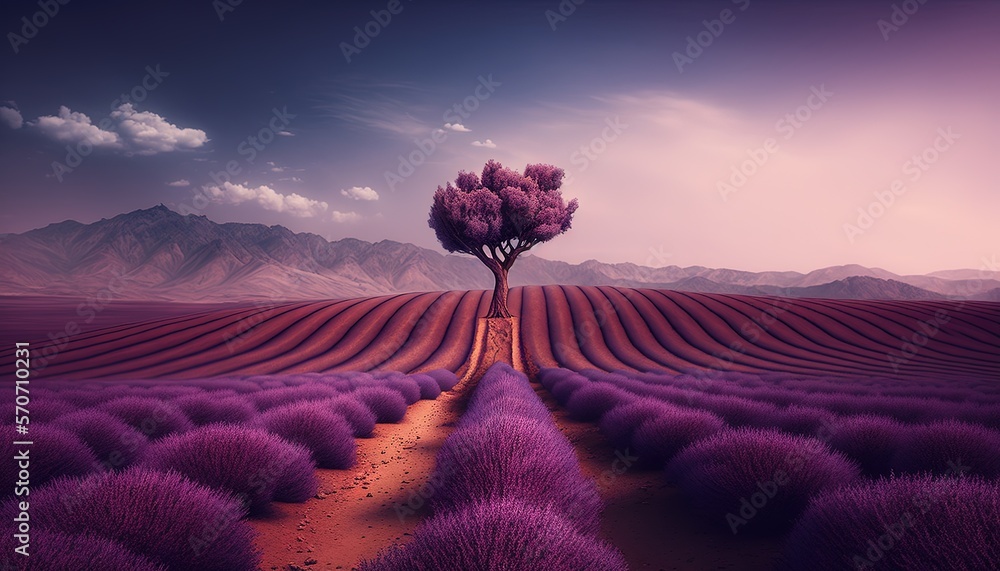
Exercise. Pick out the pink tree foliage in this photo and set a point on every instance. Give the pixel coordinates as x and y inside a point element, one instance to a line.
<point>500,215</point>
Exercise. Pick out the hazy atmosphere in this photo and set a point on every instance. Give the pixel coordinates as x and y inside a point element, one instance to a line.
<point>745,134</point>
<point>573,285</point>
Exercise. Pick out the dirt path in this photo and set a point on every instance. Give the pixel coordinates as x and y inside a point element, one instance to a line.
<point>648,520</point>
<point>353,516</point>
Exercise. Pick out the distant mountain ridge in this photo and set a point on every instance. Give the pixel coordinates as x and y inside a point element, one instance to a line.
<point>157,254</point>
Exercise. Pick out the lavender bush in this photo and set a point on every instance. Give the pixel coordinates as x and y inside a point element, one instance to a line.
<point>759,480</point>
<point>404,386</point>
<point>912,522</point>
<point>162,516</point>
<point>870,440</point>
<point>58,551</point>
<point>510,449</point>
<point>619,423</point>
<point>115,444</point>
<point>445,379</point>
<point>210,408</point>
<point>150,416</point>
<point>314,425</point>
<point>429,387</point>
<point>275,397</point>
<point>55,453</point>
<point>949,448</point>
<point>253,465</point>
<point>660,438</point>
<point>356,413</point>
<point>589,403</point>
<point>502,535</point>
<point>388,405</point>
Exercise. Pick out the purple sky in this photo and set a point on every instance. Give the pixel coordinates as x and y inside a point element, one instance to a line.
<point>650,149</point>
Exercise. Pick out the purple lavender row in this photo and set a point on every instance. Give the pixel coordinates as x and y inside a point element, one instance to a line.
<point>509,493</point>
<point>162,474</point>
<point>863,490</point>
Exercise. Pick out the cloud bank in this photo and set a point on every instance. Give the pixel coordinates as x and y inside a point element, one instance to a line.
<point>127,130</point>
<point>360,193</point>
<point>267,198</point>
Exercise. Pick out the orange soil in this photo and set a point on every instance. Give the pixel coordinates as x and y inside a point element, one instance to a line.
<point>644,518</point>
<point>356,516</point>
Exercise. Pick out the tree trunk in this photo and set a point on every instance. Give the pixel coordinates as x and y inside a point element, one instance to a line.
<point>498,307</point>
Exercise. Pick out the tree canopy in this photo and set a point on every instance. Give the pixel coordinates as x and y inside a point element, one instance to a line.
<point>502,213</point>
<point>499,215</point>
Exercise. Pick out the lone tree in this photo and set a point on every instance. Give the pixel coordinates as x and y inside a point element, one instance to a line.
<point>499,216</point>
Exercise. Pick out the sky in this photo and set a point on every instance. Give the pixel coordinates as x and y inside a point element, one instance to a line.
<point>747,134</point>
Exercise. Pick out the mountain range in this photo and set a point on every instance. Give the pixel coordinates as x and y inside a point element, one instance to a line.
<point>158,254</point>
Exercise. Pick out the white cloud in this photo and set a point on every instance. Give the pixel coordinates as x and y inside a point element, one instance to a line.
<point>457,127</point>
<point>126,129</point>
<point>286,133</point>
<point>341,217</point>
<point>181,182</point>
<point>278,169</point>
<point>360,193</point>
<point>488,143</point>
<point>147,133</point>
<point>11,117</point>
<point>267,198</point>
<point>73,128</point>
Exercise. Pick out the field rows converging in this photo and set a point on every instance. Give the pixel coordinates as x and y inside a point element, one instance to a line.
<point>576,327</point>
<point>410,332</point>
<point>621,329</point>
<point>767,420</point>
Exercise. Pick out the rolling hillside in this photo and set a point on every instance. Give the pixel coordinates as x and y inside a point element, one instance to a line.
<point>607,328</point>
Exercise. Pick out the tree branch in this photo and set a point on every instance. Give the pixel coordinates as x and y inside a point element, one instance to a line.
<point>521,248</point>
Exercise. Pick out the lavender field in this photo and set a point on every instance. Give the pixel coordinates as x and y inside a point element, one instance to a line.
<point>520,285</point>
